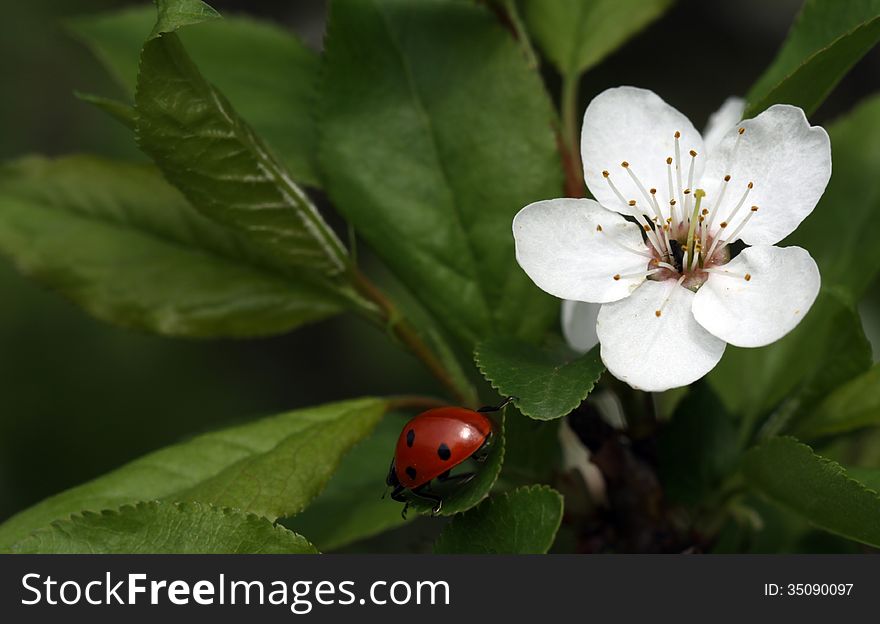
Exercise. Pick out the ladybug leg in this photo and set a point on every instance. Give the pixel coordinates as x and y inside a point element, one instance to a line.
<point>424,493</point>
<point>501,406</point>
<point>462,478</point>
<point>397,494</point>
<point>482,453</point>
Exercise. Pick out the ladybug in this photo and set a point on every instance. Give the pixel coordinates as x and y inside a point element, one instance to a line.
<point>432,444</point>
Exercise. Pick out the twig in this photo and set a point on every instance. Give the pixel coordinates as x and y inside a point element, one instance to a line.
<point>407,334</point>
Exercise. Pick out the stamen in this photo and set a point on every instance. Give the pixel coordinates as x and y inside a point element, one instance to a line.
<point>678,170</point>
<point>659,311</point>
<point>645,194</point>
<point>643,274</point>
<point>739,229</point>
<point>690,180</point>
<point>716,208</point>
<point>652,238</point>
<point>638,252</point>
<point>735,233</point>
<point>739,204</point>
<point>719,271</point>
<point>607,177</point>
<point>672,210</point>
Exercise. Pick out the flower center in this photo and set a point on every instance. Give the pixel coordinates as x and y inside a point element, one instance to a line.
<point>684,243</point>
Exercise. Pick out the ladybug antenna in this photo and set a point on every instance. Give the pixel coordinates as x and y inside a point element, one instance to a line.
<point>499,407</point>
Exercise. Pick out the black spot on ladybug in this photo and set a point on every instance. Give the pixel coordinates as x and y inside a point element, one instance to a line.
<point>443,451</point>
<point>411,472</point>
<point>410,437</point>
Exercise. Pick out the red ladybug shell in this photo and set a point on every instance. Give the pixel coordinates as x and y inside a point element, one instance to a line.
<point>437,440</point>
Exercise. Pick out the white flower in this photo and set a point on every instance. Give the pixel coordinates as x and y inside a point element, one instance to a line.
<point>658,248</point>
<point>578,318</point>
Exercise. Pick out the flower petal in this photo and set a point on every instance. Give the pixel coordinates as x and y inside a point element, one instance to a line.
<point>636,126</point>
<point>789,163</point>
<point>722,121</point>
<point>573,248</point>
<point>579,324</point>
<point>783,283</point>
<point>651,352</point>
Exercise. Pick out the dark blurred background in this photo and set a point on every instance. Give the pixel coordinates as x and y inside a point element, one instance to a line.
<point>78,397</point>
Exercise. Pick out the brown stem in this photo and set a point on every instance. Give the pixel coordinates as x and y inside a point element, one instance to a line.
<point>567,137</point>
<point>407,334</point>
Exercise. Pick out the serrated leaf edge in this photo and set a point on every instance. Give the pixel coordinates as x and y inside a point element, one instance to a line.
<point>181,506</point>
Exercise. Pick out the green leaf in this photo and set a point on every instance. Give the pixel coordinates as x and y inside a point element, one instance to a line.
<point>267,74</point>
<point>851,406</point>
<point>120,111</point>
<point>790,474</point>
<point>272,467</point>
<point>175,14</point>
<point>577,34</point>
<point>827,349</point>
<point>430,154</point>
<point>208,152</point>
<point>547,384</point>
<point>825,41</point>
<point>475,490</point>
<point>840,232</point>
<point>350,507</point>
<point>164,528</point>
<point>119,241</point>
<point>869,477</point>
<point>523,521</point>
<point>698,448</point>
<point>531,450</point>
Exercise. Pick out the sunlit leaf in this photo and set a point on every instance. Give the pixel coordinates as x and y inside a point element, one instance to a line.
<point>547,384</point>
<point>157,528</point>
<point>217,161</point>
<point>272,467</point>
<point>351,507</point>
<point>126,246</point>
<point>267,74</point>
